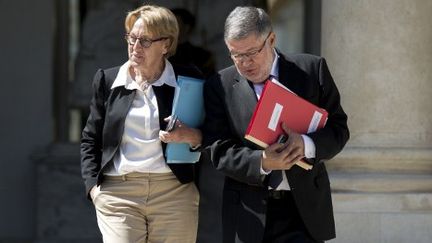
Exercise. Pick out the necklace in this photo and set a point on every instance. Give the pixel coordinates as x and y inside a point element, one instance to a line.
<point>144,85</point>
<point>143,82</point>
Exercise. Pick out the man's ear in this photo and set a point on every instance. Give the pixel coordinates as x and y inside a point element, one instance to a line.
<point>272,39</point>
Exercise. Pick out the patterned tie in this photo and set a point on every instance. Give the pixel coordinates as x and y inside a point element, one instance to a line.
<point>275,179</point>
<point>276,176</point>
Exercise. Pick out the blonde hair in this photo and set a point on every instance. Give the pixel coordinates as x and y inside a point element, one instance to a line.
<point>158,21</point>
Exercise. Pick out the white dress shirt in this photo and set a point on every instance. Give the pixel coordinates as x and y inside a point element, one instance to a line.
<point>140,149</point>
<point>308,143</point>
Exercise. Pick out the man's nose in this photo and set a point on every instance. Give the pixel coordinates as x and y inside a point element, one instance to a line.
<point>246,62</point>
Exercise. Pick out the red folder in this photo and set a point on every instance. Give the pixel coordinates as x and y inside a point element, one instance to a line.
<point>279,104</point>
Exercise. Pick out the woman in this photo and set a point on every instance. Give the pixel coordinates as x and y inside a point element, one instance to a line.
<point>138,196</point>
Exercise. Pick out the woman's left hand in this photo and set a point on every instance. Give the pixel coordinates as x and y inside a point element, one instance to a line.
<point>181,134</point>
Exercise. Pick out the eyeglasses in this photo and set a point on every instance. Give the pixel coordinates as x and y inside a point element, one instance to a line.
<point>250,54</point>
<point>144,42</point>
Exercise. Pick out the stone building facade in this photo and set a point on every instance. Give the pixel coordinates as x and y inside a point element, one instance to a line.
<point>378,52</point>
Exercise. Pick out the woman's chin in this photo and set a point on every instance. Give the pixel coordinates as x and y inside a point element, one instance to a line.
<point>134,63</point>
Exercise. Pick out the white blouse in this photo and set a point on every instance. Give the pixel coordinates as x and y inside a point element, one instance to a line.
<point>140,149</point>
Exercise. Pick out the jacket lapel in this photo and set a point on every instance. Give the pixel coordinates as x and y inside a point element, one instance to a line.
<point>243,101</point>
<point>164,96</point>
<point>291,76</point>
<point>119,103</point>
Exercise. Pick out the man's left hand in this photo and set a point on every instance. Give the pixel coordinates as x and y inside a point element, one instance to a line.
<point>294,145</point>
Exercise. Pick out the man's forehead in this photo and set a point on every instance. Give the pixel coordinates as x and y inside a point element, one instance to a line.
<point>247,43</point>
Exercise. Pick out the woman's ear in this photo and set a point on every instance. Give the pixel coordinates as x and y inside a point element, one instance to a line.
<point>166,46</point>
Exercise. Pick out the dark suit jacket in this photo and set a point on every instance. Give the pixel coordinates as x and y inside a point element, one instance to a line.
<point>102,134</point>
<point>230,101</point>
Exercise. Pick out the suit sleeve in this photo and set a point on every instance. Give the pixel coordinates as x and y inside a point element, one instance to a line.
<point>227,152</point>
<point>332,138</point>
<point>91,140</point>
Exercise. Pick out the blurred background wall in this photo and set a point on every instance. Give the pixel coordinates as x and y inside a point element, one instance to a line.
<point>379,53</point>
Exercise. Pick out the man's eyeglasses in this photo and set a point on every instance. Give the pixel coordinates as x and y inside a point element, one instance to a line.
<point>250,54</point>
<point>144,42</point>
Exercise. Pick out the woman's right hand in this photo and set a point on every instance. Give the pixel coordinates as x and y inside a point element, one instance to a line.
<point>181,134</point>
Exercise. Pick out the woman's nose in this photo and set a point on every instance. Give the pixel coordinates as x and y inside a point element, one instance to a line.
<point>136,45</point>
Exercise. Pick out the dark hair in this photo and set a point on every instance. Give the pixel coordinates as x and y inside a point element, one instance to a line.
<point>187,17</point>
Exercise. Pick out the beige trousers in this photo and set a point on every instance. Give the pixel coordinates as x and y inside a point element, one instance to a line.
<point>146,207</point>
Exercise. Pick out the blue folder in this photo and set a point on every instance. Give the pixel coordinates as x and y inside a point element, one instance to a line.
<point>188,105</point>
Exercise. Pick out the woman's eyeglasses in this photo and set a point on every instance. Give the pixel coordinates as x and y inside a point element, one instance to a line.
<point>144,42</point>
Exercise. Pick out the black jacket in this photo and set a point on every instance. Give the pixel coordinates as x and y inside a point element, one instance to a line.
<point>102,134</point>
<point>230,102</point>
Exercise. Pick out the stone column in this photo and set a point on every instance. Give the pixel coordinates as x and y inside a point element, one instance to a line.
<point>380,54</point>
<point>26,119</point>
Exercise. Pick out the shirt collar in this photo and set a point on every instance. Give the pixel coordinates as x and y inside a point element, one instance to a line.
<point>275,66</point>
<point>274,72</point>
<point>123,77</point>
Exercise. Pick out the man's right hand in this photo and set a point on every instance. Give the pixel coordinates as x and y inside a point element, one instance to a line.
<point>276,157</point>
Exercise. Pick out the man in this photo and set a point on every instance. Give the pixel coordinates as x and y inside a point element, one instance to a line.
<point>298,207</point>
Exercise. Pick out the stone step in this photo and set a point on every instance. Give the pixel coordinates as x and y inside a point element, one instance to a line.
<point>358,182</point>
<point>386,160</point>
<point>382,202</point>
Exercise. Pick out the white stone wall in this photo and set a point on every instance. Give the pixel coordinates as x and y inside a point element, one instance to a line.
<point>379,52</point>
